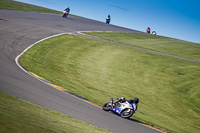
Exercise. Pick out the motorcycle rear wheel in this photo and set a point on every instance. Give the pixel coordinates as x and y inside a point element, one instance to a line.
<point>106,106</point>
<point>127,113</point>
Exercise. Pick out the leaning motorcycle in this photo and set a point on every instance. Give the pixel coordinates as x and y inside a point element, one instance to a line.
<point>125,109</point>
<point>107,21</point>
<point>65,14</point>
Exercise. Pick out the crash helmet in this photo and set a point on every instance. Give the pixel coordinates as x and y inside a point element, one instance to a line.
<point>136,100</point>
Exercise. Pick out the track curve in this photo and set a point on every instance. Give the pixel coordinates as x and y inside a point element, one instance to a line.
<point>18,31</point>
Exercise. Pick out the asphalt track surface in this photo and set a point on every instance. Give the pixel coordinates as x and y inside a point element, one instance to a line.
<point>19,30</point>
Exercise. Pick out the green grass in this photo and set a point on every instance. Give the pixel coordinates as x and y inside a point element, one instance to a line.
<point>158,43</point>
<point>14,5</point>
<point>18,116</point>
<point>168,88</point>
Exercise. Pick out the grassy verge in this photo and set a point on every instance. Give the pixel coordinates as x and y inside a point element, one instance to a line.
<point>14,5</point>
<point>158,43</point>
<point>168,87</point>
<point>19,116</point>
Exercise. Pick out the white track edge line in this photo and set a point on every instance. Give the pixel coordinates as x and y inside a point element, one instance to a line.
<point>17,62</point>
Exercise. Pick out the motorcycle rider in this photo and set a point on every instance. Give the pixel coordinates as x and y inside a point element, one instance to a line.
<point>154,32</point>
<point>148,30</point>
<point>131,101</point>
<point>67,9</point>
<point>108,18</point>
<point>66,12</point>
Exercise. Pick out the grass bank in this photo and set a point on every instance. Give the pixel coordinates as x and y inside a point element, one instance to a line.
<point>19,116</point>
<point>168,87</point>
<point>15,5</point>
<point>158,43</point>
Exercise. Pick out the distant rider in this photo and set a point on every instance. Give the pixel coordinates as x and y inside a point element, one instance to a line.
<point>131,101</point>
<point>67,9</point>
<point>148,30</point>
<point>108,18</point>
<point>66,12</point>
<point>154,32</point>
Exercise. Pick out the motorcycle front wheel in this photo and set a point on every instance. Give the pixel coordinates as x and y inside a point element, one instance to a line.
<point>127,113</point>
<point>66,15</point>
<point>106,106</point>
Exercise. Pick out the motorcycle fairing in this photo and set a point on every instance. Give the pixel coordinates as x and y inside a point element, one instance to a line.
<point>119,109</point>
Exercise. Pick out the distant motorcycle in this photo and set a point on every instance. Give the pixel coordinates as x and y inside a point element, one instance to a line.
<point>107,21</point>
<point>153,32</point>
<point>148,30</point>
<point>65,14</point>
<point>125,110</point>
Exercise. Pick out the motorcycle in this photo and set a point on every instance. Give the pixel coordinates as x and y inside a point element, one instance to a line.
<point>153,32</point>
<point>148,31</point>
<point>125,109</point>
<point>107,21</point>
<point>65,14</point>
